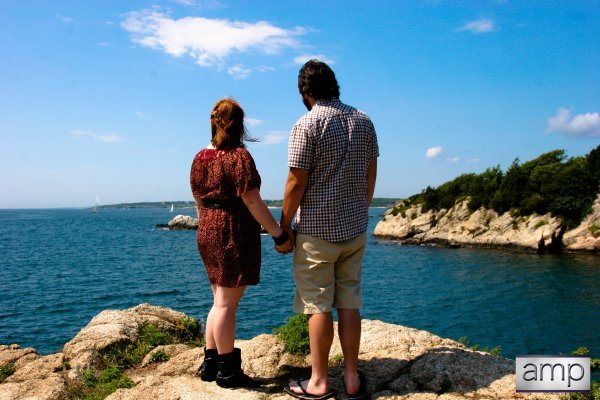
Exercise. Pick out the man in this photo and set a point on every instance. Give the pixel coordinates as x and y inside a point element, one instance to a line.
<point>332,156</point>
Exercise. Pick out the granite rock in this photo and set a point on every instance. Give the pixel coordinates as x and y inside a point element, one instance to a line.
<point>400,363</point>
<point>183,222</point>
<point>459,226</point>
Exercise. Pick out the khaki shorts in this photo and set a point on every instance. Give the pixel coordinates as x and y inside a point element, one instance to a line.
<point>327,274</point>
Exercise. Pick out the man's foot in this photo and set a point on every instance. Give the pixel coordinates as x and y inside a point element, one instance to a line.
<point>357,390</point>
<point>300,390</point>
<point>351,382</point>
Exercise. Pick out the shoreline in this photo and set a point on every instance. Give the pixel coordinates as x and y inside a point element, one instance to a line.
<point>512,248</point>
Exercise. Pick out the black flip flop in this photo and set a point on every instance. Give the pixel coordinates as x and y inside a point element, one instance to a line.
<point>305,395</point>
<point>362,393</point>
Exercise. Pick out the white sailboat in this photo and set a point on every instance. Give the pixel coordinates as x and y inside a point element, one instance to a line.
<point>171,207</point>
<point>96,204</point>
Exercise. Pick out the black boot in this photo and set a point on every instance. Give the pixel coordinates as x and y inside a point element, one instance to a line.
<point>210,366</point>
<point>230,373</point>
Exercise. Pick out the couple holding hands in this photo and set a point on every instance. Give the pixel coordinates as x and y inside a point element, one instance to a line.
<point>332,156</point>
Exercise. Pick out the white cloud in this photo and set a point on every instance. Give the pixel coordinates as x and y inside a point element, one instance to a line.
<point>479,26</point>
<point>265,68</point>
<point>453,159</point>
<point>473,160</point>
<point>252,122</point>
<point>109,138</point>
<point>208,4</point>
<point>581,125</point>
<point>208,41</point>
<point>274,137</point>
<point>104,138</point>
<point>301,59</point>
<point>186,2</point>
<point>103,44</point>
<point>433,152</point>
<point>239,71</point>
<point>64,19</point>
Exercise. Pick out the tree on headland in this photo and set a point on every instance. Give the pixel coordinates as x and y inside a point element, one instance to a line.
<point>565,187</point>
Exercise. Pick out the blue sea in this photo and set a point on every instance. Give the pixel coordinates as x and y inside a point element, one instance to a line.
<point>61,267</point>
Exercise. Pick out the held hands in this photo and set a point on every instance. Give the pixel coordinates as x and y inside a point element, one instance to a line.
<point>288,246</point>
<point>285,248</point>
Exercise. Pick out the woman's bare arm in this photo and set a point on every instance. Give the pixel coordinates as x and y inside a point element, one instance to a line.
<point>263,216</point>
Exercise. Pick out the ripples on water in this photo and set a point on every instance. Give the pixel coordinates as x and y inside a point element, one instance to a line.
<point>59,268</point>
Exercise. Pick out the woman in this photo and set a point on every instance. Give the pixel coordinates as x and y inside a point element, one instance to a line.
<point>226,184</point>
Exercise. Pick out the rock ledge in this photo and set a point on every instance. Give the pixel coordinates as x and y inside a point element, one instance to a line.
<point>400,362</point>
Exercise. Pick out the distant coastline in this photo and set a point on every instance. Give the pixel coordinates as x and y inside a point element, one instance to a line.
<point>152,204</point>
<point>377,202</point>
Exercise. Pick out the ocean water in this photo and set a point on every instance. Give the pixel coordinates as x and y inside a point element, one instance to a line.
<point>59,268</point>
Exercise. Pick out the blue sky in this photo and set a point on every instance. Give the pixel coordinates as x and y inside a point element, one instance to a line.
<point>113,97</point>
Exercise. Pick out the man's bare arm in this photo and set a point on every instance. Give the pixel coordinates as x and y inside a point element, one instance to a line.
<point>295,187</point>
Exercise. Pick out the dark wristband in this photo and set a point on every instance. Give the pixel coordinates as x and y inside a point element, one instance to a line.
<point>281,239</point>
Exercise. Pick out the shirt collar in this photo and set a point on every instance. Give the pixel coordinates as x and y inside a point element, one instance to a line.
<point>325,102</point>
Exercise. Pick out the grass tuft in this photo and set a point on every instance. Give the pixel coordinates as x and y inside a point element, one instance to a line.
<point>495,351</point>
<point>6,371</point>
<point>294,335</point>
<point>98,384</point>
<point>160,356</point>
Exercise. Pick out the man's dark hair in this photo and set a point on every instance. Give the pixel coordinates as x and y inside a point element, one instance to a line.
<point>317,80</point>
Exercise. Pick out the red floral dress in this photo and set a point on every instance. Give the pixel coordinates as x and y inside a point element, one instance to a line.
<point>228,238</point>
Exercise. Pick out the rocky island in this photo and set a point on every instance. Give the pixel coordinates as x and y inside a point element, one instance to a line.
<point>181,222</point>
<point>458,226</point>
<point>548,204</point>
<point>400,362</point>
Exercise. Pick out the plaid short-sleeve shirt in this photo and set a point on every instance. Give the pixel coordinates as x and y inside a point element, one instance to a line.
<point>335,142</point>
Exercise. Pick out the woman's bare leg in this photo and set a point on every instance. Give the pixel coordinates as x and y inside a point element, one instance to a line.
<point>223,317</point>
<point>209,334</point>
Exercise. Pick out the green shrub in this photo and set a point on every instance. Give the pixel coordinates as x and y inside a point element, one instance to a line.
<point>126,355</point>
<point>6,371</point>
<point>594,229</point>
<point>584,351</point>
<point>401,208</point>
<point>566,187</point>
<point>190,330</point>
<point>540,223</point>
<point>294,335</point>
<point>153,336</point>
<point>98,386</point>
<point>160,356</point>
<point>593,394</point>
<point>495,351</point>
<point>336,360</point>
<point>89,377</point>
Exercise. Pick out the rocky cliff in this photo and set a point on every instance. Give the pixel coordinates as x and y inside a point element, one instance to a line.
<point>458,226</point>
<point>400,362</point>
